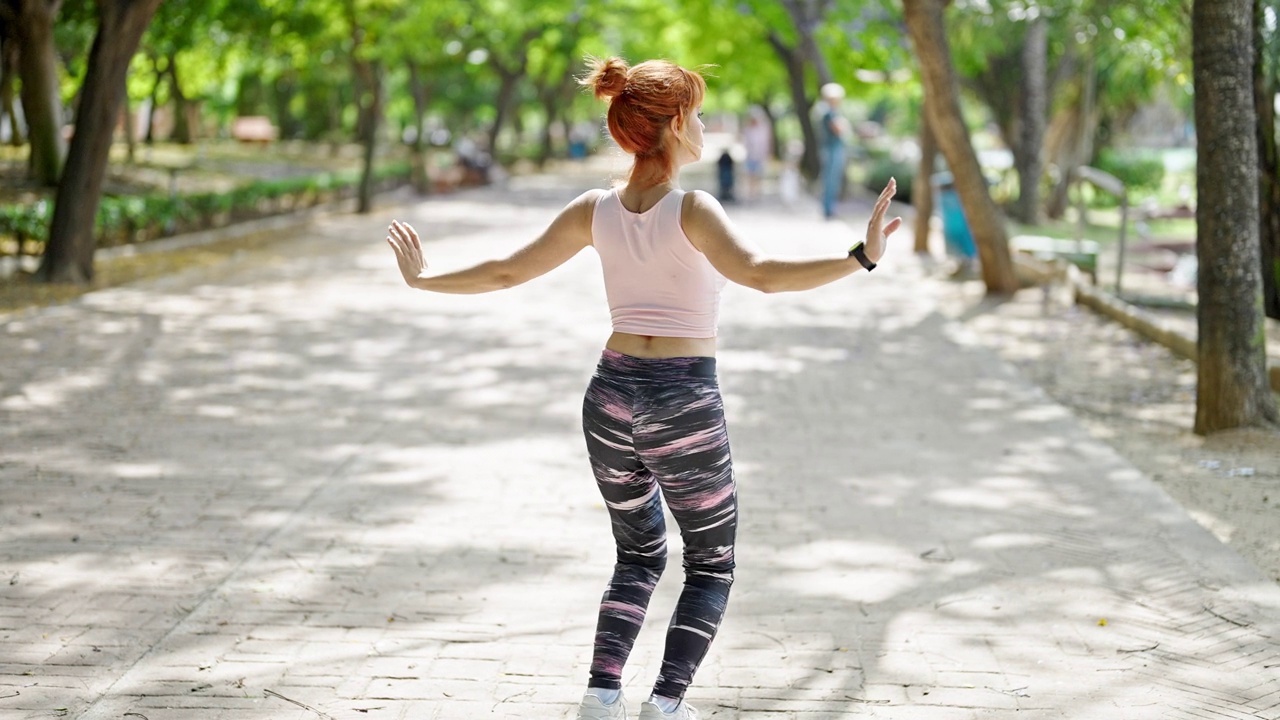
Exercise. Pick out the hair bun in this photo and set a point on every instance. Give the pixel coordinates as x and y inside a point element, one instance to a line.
<point>608,78</point>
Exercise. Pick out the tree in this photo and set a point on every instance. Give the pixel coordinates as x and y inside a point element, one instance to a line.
<point>925,23</point>
<point>179,27</point>
<point>798,56</point>
<point>1266,85</point>
<point>32,26</point>
<point>369,102</point>
<point>68,255</point>
<point>922,188</point>
<point>1002,55</point>
<point>1034,104</point>
<point>1232,384</point>
<point>8,73</point>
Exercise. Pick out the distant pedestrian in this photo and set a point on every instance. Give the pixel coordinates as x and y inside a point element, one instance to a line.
<point>727,175</point>
<point>834,134</point>
<point>653,417</point>
<point>757,138</point>
<point>789,178</point>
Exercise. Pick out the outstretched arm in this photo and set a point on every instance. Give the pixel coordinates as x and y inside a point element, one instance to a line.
<point>739,260</point>
<point>563,238</point>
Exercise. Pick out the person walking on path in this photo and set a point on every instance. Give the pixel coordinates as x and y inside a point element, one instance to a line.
<point>653,418</point>
<point>834,132</point>
<point>757,138</point>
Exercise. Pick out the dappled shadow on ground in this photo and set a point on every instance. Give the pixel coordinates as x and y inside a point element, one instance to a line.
<point>924,529</point>
<point>366,500</point>
<point>280,446</point>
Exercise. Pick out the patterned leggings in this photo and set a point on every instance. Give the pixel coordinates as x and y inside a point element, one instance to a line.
<point>655,429</point>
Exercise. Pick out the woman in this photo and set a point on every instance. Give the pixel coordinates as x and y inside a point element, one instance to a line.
<point>653,417</point>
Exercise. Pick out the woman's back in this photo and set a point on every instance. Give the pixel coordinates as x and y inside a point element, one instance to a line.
<point>656,281</point>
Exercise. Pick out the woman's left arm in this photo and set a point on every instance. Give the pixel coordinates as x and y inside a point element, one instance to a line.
<point>563,238</point>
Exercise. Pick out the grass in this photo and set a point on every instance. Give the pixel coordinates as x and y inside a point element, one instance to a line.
<point>1103,226</point>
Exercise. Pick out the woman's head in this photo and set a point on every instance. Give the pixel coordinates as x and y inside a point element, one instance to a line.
<point>653,113</point>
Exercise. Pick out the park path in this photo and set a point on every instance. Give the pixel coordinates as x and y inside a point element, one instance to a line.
<point>288,488</point>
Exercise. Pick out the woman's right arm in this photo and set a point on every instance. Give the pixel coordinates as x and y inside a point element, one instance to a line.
<point>738,259</point>
<point>569,233</point>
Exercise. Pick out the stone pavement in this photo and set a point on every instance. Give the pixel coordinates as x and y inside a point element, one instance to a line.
<point>289,487</point>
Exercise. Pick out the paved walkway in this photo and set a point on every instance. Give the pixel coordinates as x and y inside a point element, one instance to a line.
<point>290,487</point>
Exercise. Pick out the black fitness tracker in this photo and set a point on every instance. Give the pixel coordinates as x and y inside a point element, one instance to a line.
<point>857,251</point>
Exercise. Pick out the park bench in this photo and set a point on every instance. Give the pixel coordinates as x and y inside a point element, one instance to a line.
<point>253,129</point>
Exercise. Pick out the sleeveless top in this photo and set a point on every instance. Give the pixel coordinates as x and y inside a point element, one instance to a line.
<point>656,281</point>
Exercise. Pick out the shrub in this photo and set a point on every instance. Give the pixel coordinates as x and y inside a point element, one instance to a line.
<point>132,218</point>
<point>884,168</point>
<point>1138,173</point>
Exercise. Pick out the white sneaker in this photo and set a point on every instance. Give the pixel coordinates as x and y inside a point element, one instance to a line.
<point>650,711</point>
<point>592,708</point>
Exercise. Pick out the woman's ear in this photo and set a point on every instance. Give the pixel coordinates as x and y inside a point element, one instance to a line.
<point>677,125</point>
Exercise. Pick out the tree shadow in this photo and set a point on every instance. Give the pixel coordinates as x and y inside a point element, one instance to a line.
<point>293,474</point>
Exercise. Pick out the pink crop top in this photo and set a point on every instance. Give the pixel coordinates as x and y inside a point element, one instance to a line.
<point>656,281</point>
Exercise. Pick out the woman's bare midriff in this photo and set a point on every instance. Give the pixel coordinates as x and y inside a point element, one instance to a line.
<point>655,346</point>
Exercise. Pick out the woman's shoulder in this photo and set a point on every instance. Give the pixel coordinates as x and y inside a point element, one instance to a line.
<point>699,202</point>
<point>700,213</point>
<point>586,202</point>
<point>592,196</point>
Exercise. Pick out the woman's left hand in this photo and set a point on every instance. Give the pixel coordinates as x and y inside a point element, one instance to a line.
<point>877,230</point>
<point>404,240</point>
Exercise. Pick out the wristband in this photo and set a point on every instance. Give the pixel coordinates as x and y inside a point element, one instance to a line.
<point>858,251</point>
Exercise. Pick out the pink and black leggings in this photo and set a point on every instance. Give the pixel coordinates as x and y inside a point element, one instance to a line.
<point>655,430</point>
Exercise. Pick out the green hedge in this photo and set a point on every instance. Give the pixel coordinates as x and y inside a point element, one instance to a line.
<point>1140,174</point>
<point>138,218</point>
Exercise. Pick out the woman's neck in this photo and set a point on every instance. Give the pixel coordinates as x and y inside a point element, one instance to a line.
<point>638,197</point>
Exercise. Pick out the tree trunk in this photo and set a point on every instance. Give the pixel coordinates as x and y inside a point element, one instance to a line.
<point>1080,145</point>
<point>793,60</point>
<point>9,71</point>
<point>1035,52</point>
<point>283,91</point>
<point>551,113</point>
<point>502,104</point>
<point>126,115</point>
<point>807,17</point>
<point>779,152</point>
<point>925,23</point>
<point>41,104</point>
<point>371,110</point>
<point>181,123</point>
<point>1063,148</point>
<point>554,98</point>
<point>68,255</point>
<point>922,188</point>
<point>150,136</point>
<point>420,92</point>
<point>1265,87</point>
<point>1232,386</point>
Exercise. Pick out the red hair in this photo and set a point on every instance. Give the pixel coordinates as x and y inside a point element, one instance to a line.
<point>643,100</point>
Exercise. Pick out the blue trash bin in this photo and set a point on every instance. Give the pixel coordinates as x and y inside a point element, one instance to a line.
<point>955,228</point>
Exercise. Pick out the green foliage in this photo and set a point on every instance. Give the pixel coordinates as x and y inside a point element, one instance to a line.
<point>137,218</point>
<point>26,222</point>
<point>883,168</point>
<point>1141,173</point>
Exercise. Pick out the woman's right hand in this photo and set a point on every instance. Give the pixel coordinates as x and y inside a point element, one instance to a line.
<point>877,230</point>
<point>404,240</point>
